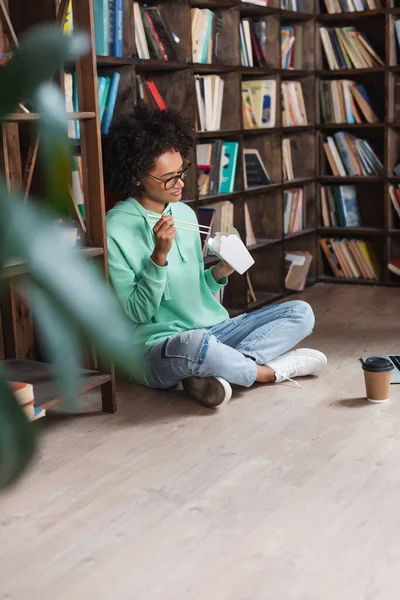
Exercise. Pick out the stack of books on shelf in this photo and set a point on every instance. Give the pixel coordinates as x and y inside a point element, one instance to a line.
<point>351,156</point>
<point>292,47</point>
<point>108,86</point>
<point>149,94</point>
<point>394,192</point>
<point>108,26</point>
<point>339,206</point>
<point>351,259</point>
<point>259,103</point>
<point>206,35</point>
<point>153,36</point>
<point>218,217</point>
<point>209,94</point>
<point>342,6</point>
<point>347,48</point>
<point>294,213</point>
<point>293,109</point>
<point>253,36</point>
<point>345,101</point>
<point>23,393</point>
<point>216,167</point>
<point>287,164</point>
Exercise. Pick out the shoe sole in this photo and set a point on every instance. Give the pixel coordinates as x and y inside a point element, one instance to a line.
<point>202,388</point>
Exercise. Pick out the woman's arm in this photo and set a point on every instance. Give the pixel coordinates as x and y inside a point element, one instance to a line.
<point>141,297</point>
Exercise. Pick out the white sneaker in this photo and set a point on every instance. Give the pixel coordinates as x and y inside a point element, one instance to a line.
<point>212,392</point>
<point>298,363</point>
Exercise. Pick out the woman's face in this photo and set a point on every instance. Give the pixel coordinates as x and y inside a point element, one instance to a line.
<point>167,173</point>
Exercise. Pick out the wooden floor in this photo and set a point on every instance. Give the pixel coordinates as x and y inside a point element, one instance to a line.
<point>286,494</point>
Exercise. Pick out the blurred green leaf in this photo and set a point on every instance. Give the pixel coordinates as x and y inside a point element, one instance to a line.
<point>17,436</point>
<point>61,345</point>
<point>41,53</point>
<point>69,281</point>
<point>54,148</point>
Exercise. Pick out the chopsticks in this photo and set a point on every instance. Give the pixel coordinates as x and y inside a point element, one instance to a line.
<point>178,224</point>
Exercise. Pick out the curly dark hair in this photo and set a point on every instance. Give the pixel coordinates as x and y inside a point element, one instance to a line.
<point>137,140</point>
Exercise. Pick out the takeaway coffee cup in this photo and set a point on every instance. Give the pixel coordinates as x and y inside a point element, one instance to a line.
<point>377,375</point>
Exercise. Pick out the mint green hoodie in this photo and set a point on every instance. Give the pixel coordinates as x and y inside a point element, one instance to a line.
<point>160,301</point>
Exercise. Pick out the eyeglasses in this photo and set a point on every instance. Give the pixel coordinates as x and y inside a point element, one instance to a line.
<point>172,181</point>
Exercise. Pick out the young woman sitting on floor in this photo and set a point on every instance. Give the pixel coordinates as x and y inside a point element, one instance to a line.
<point>180,332</point>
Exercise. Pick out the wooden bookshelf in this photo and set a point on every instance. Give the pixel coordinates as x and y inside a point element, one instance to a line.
<point>18,160</point>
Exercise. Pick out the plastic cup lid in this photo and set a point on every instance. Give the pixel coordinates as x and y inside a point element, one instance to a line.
<point>377,364</point>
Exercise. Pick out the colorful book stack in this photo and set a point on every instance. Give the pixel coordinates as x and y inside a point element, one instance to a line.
<point>293,107</point>
<point>339,206</point>
<point>347,48</point>
<point>259,103</point>
<point>341,6</point>
<point>107,90</point>
<point>292,47</point>
<point>206,35</point>
<point>149,94</point>
<point>153,36</point>
<point>351,156</point>
<point>209,94</point>
<point>294,213</point>
<point>108,26</point>
<point>216,165</point>
<point>24,395</point>
<point>351,259</point>
<point>253,37</point>
<point>345,101</point>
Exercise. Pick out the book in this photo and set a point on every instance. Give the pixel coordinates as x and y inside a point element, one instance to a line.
<point>293,107</point>
<point>23,393</point>
<point>349,155</point>
<point>287,164</point>
<point>110,102</point>
<point>206,31</point>
<point>394,266</point>
<point>340,206</point>
<point>344,6</point>
<point>254,172</point>
<point>209,95</point>
<point>347,48</point>
<point>294,214</point>
<point>217,163</point>
<point>251,239</point>
<point>298,264</point>
<point>351,259</point>
<point>394,193</point>
<point>259,103</point>
<point>345,101</point>
<point>101,26</point>
<point>292,47</point>
<point>116,27</point>
<point>228,167</point>
<point>164,34</point>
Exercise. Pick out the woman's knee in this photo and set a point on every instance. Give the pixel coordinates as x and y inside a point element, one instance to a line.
<point>305,314</point>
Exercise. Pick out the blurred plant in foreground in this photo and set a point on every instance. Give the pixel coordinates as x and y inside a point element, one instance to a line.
<point>68,297</point>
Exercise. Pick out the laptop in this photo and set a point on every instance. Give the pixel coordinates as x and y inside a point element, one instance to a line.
<point>394,358</point>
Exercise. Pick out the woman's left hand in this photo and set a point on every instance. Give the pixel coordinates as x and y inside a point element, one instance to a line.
<point>221,270</point>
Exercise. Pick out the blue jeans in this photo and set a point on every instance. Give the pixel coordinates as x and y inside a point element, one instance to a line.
<point>224,350</point>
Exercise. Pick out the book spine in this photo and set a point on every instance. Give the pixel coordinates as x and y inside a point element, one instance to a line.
<point>341,144</point>
<point>112,98</point>
<point>118,29</point>
<point>101,26</point>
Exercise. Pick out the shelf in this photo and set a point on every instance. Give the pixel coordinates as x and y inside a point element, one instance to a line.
<point>345,231</point>
<point>349,72</point>
<point>212,4</point>
<point>27,117</point>
<point>220,133</point>
<point>16,268</point>
<point>286,185</point>
<point>348,179</point>
<point>263,243</point>
<point>350,16</point>
<point>290,73</point>
<point>252,10</point>
<point>41,376</point>
<point>260,130</point>
<point>211,198</point>
<point>352,126</point>
<point>332,279</point>
<point>113,61</point>
<point>158,65</point>
<point>262,189</point>
<point>213,68</point>
<point>291,15</point>
<point>297,128</point>
<point>297,234</point>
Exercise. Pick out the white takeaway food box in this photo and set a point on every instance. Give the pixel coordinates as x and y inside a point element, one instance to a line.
<point>230,248</point>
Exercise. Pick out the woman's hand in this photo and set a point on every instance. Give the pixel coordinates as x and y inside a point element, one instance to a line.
<point>221,270</point>
<point>164,233</point>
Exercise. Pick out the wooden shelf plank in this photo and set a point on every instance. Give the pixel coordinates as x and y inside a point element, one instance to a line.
<point>348,231</point>
<point>153,65</point>
<point>351,16</point>
<point>349,72</point>
<point>332,279</point>
<point>342,126</point>
<point>16,268</point>
<point>292,15</point>
<point>297,234</point>
<point>263,243</point>
<point>297,182</point>
<point>113,61</point>
<point>26,117</point>
<point>348,179</point>
<point>41,376</point>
